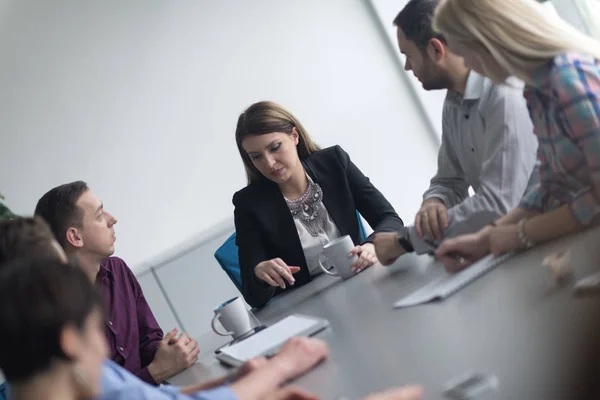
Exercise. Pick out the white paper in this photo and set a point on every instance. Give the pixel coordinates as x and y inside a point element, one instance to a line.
<point>449,284</point>
<point>271,337</point>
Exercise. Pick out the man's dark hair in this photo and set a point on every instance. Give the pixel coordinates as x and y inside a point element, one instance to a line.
<point>26,237</point>
<point>59,208</point>
<point>38,299</point>
<point>415,20</point>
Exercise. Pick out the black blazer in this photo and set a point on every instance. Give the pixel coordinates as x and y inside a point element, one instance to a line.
<point>265,227</point>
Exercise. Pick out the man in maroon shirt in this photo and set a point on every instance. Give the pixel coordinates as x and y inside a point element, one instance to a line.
<point>86,231</point>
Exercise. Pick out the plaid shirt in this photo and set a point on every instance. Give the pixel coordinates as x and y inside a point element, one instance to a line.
<point>564,105</point>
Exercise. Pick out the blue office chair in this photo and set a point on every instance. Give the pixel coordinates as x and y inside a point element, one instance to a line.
<point>3,390</point>
<point>227,256</point>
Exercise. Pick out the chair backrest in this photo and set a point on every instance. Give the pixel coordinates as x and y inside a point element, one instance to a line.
<point>363,234</point>
<point>3,394</point>
<point>227,257</point>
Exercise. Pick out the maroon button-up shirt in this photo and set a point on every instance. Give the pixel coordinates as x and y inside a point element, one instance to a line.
<point>131,330</point>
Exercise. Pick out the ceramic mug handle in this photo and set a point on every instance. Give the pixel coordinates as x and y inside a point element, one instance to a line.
<point>328,272</point>
<point>214,328</point>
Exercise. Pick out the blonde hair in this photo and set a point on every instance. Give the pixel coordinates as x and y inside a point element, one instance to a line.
<point>268,117</point>
<point>518,34</point>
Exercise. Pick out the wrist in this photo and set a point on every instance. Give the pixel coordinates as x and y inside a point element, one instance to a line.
<point>283,368</point>
<point>524,240</point>
<point>403,239</point>
<point>157,371</point>
<point>432,200</point>
<point>256,272</point>
<point>485,233</point>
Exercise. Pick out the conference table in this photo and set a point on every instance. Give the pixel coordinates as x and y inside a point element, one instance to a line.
<point>516,322</point>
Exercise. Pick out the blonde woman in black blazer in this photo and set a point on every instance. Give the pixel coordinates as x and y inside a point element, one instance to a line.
<point>282,164</point>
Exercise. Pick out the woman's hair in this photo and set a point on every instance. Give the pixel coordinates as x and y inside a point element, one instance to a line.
<point>519,34</point>
<point>38,299</point>
<point>268,117</point>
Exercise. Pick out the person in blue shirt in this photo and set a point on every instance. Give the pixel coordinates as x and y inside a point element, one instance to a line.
<point>36,276</point>
<point>52,342</point>
<point>257,379</point>
<point>53,308</point>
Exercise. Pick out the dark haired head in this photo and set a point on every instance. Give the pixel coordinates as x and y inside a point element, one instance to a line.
<point>23,237</point>
<point>415,20</point>
<point>59,208</point>
<point>38,300</point>
<point>267,117</point>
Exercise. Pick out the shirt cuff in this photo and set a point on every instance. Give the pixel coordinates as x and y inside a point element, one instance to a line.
<point>584,208</point>
<point>419,245</point>
<point>439,196</point>
<point>174,390</point>
<point>145,376</point>
<point>219,393</point>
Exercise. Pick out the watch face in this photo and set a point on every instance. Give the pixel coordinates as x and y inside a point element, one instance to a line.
<point>402,235</point>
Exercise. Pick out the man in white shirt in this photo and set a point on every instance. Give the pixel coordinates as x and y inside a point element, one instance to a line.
<point>487,142</point>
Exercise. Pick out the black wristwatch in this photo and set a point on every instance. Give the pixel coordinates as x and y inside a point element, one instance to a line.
<point>403,237</point>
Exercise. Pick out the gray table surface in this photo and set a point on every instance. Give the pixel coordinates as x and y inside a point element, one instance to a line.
<point>515,322</point>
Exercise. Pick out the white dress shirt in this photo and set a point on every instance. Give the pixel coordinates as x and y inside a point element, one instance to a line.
<point>487,144</point>
<point>313,245</point>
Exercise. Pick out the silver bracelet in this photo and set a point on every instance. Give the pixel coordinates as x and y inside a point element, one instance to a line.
<point>525,241</point>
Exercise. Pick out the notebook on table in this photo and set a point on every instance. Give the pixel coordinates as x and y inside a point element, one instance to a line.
<point>269,341</point>
<point>447,285</point>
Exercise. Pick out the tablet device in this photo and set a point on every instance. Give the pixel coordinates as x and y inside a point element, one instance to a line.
<point>268,341</point>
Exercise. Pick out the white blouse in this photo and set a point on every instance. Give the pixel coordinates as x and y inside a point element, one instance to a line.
<point>313,245</point>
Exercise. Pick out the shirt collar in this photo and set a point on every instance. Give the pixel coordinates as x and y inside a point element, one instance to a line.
<point>103,272</point>
<point>474,86</point>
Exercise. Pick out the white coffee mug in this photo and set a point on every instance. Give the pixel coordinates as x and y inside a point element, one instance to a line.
<point>233,316</point>
<point>337,252</point>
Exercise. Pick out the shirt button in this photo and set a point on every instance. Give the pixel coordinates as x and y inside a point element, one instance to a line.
<point>120,348</point>
<point>110,323</point>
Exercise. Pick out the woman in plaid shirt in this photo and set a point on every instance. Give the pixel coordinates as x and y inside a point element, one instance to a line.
<point>561,67</point>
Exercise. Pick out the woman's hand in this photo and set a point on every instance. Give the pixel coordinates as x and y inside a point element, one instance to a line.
<point>462,251</point>
<point>366,257</point>
<point>275,271</point>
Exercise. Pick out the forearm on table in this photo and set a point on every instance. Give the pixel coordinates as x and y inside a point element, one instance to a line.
<point>552,225</point>
<point>516,215</point>
<point>158,372</point>
<point>262,381</point>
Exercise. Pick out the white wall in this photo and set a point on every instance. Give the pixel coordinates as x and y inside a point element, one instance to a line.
<point>140,99</point>
<point>431,101</point>
<point>582,14</point>
<point>569,11</point>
